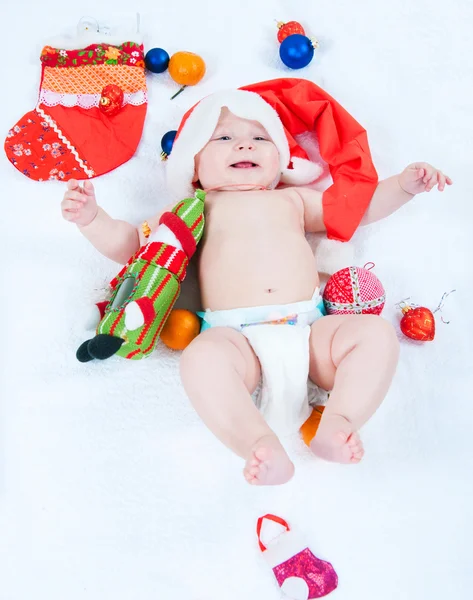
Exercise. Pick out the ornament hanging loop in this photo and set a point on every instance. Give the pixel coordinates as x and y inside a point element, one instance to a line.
<point>441,305</point>
<point>87,23</point>
<point>402,303</point>
<point>368,268</point>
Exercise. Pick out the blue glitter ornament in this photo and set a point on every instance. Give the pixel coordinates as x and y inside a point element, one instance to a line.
<point>296,51</point>
<point>166,144</point>
<point>157,60</point>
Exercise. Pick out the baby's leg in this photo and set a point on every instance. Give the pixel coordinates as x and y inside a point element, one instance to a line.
<point>219,372</point>
<point>354,356</point>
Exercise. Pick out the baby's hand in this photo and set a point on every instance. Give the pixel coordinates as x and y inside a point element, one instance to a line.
<point>79,204</point>
<point>422,177</point>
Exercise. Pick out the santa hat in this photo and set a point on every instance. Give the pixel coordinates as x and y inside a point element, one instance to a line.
<point>288,108</point>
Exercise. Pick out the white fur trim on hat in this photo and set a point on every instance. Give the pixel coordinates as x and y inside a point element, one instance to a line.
<point>200,125</point>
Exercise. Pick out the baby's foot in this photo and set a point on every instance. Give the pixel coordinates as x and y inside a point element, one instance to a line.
<point>336,441</point>
<point>268,463</point>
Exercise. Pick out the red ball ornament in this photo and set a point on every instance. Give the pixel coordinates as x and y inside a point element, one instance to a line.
<point>354,291</point>
<point>111,100</point>
<point>418,323</point>
<point>287,29</point>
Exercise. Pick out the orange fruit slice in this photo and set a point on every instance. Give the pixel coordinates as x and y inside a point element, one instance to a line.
<point>181,327</point>
<point>186,68</point>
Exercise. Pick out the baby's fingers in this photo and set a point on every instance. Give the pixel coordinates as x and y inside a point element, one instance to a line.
<point>73,184</point>
<point>70,214</point>
<point>431,182</point>
<point>88,188</point>
<point>441,180</point>
<point>429,172</point>
<point>71,205</point>
<point>74,195</point>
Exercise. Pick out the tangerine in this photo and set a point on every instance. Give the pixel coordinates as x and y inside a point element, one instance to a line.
<point>186,68</point>
<point>181,327</point>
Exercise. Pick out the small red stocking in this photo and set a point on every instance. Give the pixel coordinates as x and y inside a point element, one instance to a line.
<point>301,575</point>
<point>89,116</point>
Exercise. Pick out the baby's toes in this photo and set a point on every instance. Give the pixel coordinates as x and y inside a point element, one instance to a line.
<point>249,478</point>
<point>357,455</point>
<point>262,454</point>
<point>356,447</point>
<point>354,440</point>
<point>258,472</point>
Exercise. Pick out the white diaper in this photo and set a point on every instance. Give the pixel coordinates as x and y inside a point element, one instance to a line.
<point>279,335</point>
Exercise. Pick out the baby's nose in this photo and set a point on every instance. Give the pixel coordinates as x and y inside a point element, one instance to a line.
<point>246,145</point>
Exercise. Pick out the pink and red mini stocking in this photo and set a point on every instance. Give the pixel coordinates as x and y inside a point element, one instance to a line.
<point>300,574</point>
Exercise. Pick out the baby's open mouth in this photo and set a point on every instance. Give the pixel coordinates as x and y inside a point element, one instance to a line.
<point>244,164</point>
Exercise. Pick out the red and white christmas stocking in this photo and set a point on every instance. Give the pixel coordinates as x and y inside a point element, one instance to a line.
<point>89,116</point>
<point>301,575</point>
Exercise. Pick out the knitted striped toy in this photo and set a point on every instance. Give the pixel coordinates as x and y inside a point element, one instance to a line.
<point>145,290</point>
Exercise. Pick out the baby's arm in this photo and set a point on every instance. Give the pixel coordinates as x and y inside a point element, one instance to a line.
<point>389,196</point>
<point>115,239</point>
<point>313,211</point>
<point>395,191</point>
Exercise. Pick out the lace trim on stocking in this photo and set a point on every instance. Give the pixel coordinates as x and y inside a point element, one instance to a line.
<point>50,98</point>
<point>75,154</point>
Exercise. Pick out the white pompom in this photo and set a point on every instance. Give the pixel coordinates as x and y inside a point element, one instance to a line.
<point>332,255</point>
<point>303,172</point>
<point>92,317</point>
<point>134,317</point>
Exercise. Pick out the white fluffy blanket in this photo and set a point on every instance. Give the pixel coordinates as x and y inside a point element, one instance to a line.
<point>110,486</point>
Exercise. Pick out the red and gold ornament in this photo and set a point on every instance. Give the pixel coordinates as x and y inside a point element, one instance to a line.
<point>287,29</point>
<point>418,322</point>
<point>111,100</point>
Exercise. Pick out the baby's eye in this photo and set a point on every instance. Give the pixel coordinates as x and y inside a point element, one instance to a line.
<point>225,138</point>
<point>259,138</point>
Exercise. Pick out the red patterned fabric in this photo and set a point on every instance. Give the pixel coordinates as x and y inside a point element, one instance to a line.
<point>354,291</point>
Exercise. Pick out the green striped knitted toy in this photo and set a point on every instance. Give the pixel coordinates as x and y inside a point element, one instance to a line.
<point>145,290</point>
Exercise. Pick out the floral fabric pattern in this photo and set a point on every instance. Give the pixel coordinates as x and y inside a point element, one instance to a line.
<point>35,149</point>
<point>129,53</point>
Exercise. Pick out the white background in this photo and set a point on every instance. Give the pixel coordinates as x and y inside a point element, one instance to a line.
<point>110,486</point>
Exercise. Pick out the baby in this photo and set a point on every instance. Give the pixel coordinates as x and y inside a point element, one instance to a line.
<point>255,262</point>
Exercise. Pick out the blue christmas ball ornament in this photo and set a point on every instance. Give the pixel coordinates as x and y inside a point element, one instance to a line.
<point>166,144</point>
<point>157,60</point>
<point>296,51</point>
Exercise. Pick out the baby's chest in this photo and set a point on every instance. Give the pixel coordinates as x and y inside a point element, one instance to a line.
<point>263,209</point>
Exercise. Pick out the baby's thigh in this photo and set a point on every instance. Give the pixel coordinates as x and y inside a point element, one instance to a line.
<point>216,351</point>
<point>334,336</point>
